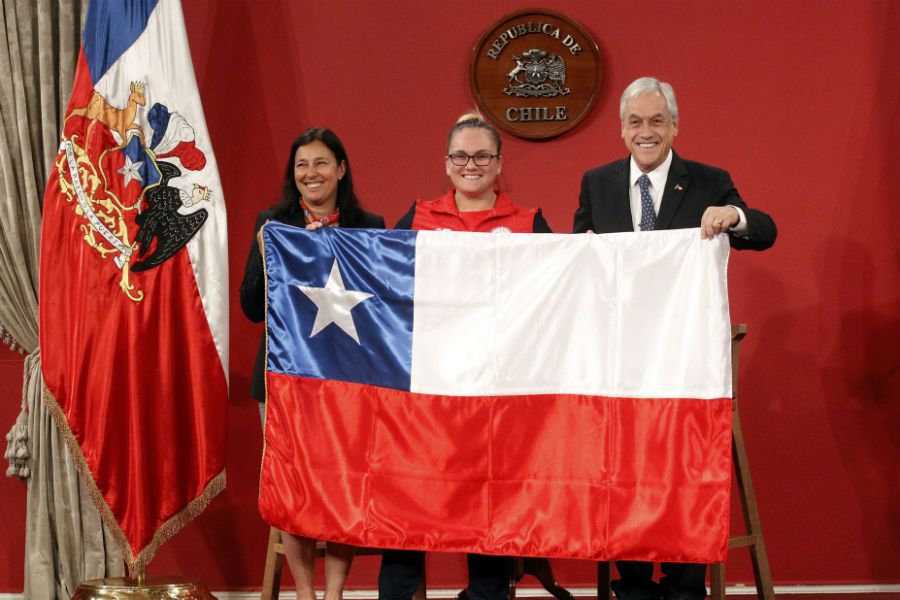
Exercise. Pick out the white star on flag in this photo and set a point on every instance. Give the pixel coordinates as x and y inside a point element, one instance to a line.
<point>130,171</point>
<point>334,303</point>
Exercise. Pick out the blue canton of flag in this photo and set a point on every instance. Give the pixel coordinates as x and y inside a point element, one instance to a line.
<point>343,309</point>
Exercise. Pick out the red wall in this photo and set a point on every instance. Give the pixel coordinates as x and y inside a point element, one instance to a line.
<point>12,491</point>
<point>797,99</point>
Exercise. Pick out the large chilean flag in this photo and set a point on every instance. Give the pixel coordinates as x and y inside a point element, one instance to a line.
<point>531,395</point>
<point>134,279</point>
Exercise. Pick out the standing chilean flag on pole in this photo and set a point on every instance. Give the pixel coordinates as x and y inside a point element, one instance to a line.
<point>134,279</point>
<point>524,395</point>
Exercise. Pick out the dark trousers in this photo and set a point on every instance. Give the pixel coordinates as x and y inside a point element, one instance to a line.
<point>681,581</point>
<point>401,572</point>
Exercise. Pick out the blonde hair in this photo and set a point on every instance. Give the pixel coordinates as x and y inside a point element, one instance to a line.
<point>471,116</point>
<point>474,119</point>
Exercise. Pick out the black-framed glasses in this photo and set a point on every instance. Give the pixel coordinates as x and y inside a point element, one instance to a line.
<point>481,159</point>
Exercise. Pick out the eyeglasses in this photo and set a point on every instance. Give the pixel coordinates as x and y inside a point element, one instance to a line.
<point>481,159</point>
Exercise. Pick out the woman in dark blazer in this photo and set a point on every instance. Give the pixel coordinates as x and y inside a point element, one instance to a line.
<point>317,192</point>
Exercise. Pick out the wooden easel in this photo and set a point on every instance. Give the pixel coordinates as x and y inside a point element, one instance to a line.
<point>753,538</point>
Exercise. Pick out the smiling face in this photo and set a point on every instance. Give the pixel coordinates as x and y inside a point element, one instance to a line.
<point>472,180</point>
<point>317,173</point>
<point>648,130</point>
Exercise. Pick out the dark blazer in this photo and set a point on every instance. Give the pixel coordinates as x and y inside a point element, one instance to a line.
<point>253,287</point>
<point>604,204</point>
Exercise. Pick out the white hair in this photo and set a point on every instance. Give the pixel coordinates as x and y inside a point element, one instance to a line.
<point>649,85</point>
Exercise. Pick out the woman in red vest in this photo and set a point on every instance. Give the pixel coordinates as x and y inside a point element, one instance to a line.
<point>475,203</point>
<point>473,163</point>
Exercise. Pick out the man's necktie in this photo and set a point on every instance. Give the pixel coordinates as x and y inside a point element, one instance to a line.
<point>648,215</point>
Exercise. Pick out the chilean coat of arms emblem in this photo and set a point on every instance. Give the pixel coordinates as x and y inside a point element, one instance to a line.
<point>537,74</point>
<point>125,189</point>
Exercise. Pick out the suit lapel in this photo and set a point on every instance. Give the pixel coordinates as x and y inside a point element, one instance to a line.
<point>673,195</point>
<point>621,210</point>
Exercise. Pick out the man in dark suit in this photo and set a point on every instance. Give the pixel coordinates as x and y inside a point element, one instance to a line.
<point>655,188</point>
<point>676,193</point>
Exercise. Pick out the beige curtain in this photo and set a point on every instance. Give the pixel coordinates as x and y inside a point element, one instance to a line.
<point>19,221</point>
<point>65,541</point>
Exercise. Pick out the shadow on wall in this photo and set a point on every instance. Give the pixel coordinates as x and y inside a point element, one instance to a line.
<point>862,373</point>
<point>775,348</point>
<point>860,271</point>
<point>839,358</point>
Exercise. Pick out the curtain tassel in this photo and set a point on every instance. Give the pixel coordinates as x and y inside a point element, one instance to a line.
<point>17,452</point>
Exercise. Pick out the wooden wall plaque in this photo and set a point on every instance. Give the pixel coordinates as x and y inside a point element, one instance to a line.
<point>536,73</point>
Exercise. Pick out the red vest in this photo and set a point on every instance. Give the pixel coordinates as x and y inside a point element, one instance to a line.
<point>442,213</point>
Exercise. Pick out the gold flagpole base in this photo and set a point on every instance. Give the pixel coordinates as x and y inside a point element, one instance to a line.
<point>152,588</point>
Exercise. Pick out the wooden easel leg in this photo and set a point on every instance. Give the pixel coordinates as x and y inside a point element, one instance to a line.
<point>764,588</point>
<point>717,581</point>
<point>761,572</point>
<point>753,540</point>
<point>271,586</point>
